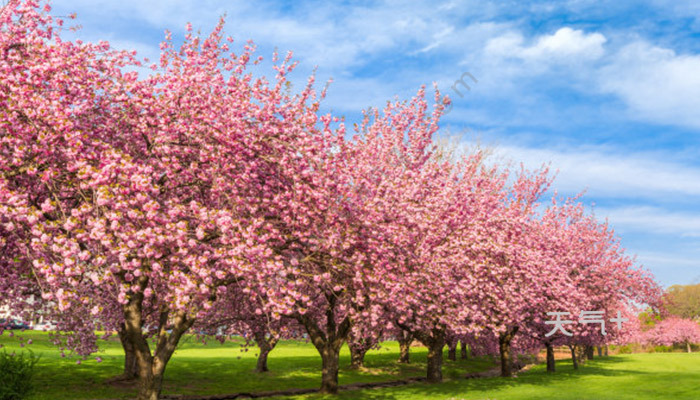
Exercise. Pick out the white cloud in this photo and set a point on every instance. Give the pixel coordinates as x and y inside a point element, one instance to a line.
<point>657,84</point>
<point>664,258</point>
<point>654,220</point>
<point>438,38</point>
<point>665,235</point>
<point>565,45</point>
<point>324,34</point>
<point>516,68</point>
<point>610,174</point>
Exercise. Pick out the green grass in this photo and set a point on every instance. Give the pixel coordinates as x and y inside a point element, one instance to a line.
<point>196,369</point>
<point>629,376</point>
<point>217,369</point>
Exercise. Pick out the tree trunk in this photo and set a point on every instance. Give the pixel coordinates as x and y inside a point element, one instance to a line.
<point>434,341</point>
<point>330,364</point>
<point>581,352</point>
<point>261,365</point>
<point>151,366</point>
<point>464,354</point>
<point>550,358</point>
<point>435,359</point>
<point>150,385</point>
<point>357,356</point>
<point>606,350</point>
<point>600,351</point>
<point>573,356</point>
<point>405,340</point>
<point>328,343</point>
<point>452,352</point>
<point>130,371</point>
<point>265,345</point>
<point>589,352</point>
<point>504,347</point>
<point>687,345</point>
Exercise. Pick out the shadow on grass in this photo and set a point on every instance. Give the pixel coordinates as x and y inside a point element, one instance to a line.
<point>537,376</point>
<point>221,376</point>
<point>215,369</point>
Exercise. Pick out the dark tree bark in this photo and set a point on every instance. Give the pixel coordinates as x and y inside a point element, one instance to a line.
<point>589,352</point>
<point>606,350</point>
<point>600,351</point>
<point>328,343</point>
<point>359,346</point>
<point>434,373</point>
<point>261,365</point>
<point>329,367</point>
<point>464,352</point>
<point>550,358</point>
<point>452,352</point>
<point>573,356</point>
<point>581,354</point>
<point>130,371</point>
<point>151,365</point>
<point>265,345</point>
<point>357,356</point>
<point>405,340</point>
<point>504,347</point>
<point>435,342</point>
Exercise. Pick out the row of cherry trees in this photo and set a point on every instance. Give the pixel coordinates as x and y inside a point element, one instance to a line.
<point>672,331</point>
<point>202,198</point>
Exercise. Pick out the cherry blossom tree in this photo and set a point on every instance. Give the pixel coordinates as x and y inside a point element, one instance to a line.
<point>55,95</point>
<point>241,312</point>
<point>329,247</point>
<point>599,278</point>
<point>150,187</point>
<point>675,330</point>
<point>424,215</point>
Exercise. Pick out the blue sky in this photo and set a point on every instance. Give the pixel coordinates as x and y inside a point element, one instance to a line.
<point>607,91</point>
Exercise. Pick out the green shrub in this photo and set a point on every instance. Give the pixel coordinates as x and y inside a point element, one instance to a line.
<point>663,349</point>
<point>16,373</point>
<point>625,349</point>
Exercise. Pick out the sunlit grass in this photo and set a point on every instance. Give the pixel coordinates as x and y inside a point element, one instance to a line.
<point>197,369</point>
<point>624,377</point>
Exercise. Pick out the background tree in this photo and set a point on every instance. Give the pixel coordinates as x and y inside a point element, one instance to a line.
<point>683,301</point>
<point>674,330</point>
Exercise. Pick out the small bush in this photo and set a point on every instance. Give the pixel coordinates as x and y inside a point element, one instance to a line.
<point>663,349</point>
<point>626,349</point>
<point>16,373</point>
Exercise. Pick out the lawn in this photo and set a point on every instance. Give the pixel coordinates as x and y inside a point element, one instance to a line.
<point>629,376</point>
<point>219,369</point>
